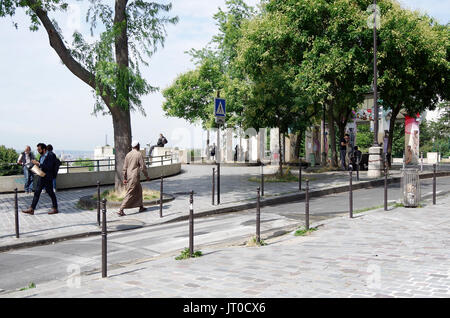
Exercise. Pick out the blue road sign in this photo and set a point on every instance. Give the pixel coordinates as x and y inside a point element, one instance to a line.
<point>219,107</point>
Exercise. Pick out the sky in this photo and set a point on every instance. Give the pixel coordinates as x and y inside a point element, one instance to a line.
<point>41,101</point>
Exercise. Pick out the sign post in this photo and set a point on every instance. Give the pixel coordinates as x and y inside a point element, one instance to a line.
<point>219,113</point>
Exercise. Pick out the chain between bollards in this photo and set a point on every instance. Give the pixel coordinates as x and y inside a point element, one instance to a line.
<point>351,194</point>
<point>191,224</point>
<point>307,205</point>
<point>258,216</point>
<point>434,183</point>
<point>98,203</point>
<point>16,212</point>
<point>161,197</point>
<point>213,185</point>
<point>104,240</point>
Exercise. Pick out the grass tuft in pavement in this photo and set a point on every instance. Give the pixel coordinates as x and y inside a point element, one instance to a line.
<point>185,254</point>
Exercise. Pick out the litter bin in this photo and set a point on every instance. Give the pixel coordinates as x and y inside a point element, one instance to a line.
<point>410,187</point>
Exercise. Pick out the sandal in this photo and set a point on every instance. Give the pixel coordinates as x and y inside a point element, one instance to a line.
<point>121,213</point>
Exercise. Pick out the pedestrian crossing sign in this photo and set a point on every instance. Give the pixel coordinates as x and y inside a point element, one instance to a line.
<point>219,107</point>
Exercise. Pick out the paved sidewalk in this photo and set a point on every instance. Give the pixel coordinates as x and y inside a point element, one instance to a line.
<point>235,189</point>
<point>403,252</point>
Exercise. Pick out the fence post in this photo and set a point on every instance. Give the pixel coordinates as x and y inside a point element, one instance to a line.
<point>262,179</point>
<point>213,185</point>
<point>191,224</point>
<point>98,203</point>
<point>161,197</point>
<point>104,243</point>
<point>258,216</point>
<point>16,213</point>
<point>351,195</point>
<point>67,164</point>
<point>98,165</point>
<point>307,205</point>
<point>434,183</point>
<point>300,176</point>
<point>385,189</point>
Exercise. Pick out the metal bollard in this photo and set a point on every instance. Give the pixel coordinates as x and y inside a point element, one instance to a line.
<point>357,169</point>
<point>16,212</point>
<point>307,205</point>
<point>300,176</point>
<point>213,185</point>
<point>434,183</point>
<point>421,161</point>
<point>104,238</point>
<point>161,198</point>
<point>191,225</point>
<point>351,195</point>
<point>218,183</point>
<point>258,216</point>
<point>262,179</point>
<point>385,190</point>
<point>98,203</point>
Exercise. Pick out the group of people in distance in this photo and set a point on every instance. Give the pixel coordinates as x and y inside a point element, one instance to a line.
<point>350,156</point>
<point>49,165</point>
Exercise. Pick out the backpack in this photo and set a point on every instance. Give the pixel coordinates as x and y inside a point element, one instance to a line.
<point>56,167</point>
<point>164,140</point>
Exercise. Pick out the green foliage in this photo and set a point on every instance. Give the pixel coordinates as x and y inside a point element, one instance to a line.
<point>364,138</point>
<point>80,162</point>
<point>30,286</point>
<point>304,231</point>
<point>185,254</point>
<point>8,159</point>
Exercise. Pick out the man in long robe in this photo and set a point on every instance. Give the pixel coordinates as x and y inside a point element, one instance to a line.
<point>132,168</point>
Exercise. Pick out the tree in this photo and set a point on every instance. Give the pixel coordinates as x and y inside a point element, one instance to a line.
<point>110,65</point>
<point>414,65</point>
<point>8,158</point>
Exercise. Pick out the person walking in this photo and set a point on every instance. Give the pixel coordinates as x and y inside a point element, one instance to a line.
<point>47,165</point>
<point>25,160</point>
<point>132,168</point>
<point>57,162</point>
<point>343,150</point>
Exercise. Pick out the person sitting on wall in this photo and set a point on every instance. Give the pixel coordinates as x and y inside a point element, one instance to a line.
<point>161,142</point>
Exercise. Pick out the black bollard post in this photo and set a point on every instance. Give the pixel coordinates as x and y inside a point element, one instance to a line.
<point>434,183</point>
<point>307,205</point>
<point>191,225</point>
<point>300,176</point>
<point>213,185</point>
<point>104,237</point>
<point>357,169</point>
<point>258,216</point>
<point>262,179</point>
<point>351,195</point>
<point>218,183</point>
<point>98,203</point>
<point>161,198</point>
<point>385,189</point>
<point>16,212</point>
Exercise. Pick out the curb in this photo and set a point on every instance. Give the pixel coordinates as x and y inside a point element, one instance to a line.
<point>236,208</point>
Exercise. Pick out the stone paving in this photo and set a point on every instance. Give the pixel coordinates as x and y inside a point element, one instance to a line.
<point>235,188</point>
<point>403,252</point>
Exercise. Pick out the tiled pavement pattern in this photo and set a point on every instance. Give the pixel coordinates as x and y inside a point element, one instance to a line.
<point>235,188</point>
<point>398,253</point>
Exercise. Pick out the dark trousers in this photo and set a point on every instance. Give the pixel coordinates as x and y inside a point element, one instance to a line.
<point>44,183</point>
<point>343,153</point>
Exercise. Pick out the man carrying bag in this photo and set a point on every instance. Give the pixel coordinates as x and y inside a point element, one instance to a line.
<point>47,165</point>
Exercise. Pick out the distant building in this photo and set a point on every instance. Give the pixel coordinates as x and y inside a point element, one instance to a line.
<point>107,156</point>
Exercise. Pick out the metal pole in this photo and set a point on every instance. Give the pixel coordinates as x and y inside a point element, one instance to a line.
<point>161,198</point>
<point>351,195</point>
<point>357,169</point>
<point>403,164</point>
<point>300,176</point>
<point>262,179</point>
<point>218,183</point>
<point>104,237</point>
<point>258,216</point>
<point>307,206</point>
<point>385,190</point>
<point>421,161</point>
<point>98,203</point>
<point>16,213</point>
<point>191,225</point>
<point>434,183</point>
<point>213,185</point>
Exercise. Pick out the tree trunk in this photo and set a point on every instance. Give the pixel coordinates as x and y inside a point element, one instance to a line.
<point>332,137</point>
<point>280,168</point>
<point>122,141</point>
<point>298,142</point>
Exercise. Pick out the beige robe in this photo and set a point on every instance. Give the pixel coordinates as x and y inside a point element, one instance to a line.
<point>132,167</point>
